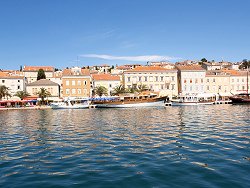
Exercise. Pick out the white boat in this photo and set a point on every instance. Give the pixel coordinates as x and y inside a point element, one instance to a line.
<point>196,99</point>
<point>71,104</point>
<point>130,101</point>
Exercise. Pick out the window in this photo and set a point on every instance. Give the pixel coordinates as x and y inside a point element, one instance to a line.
<point>172,78</point>
<point>207,80</point>
<point>156,78</point>
<point>162,78</point>
<point>196,80</point>
<point>79,91</point>
<point>3,81</point>
<point>85,82</point>
<point>172,86</point>
<point>18,87</point>
<point>110,85</point>
<point>232,80</point>
<point>18,80</point>
<point>128,79</point>
<point>162,86</point>
<point>73,82</point>
<point>208,88</point>
<point>78,82</point>
<point>73,91</point>
<point>139,78</point>
<point>185,81</point>
<point>146,78</point>
<point>67,82</point>
<point>213,79</point>
<point>201,80</point>
<point>191,81</point>
<point>67,91</point>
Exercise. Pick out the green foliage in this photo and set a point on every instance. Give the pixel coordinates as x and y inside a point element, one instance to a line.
<point>4,92</point>
<point>203,60</point>
<point>43,93</point>
<point>142,87</point>
<point>41,74</point>
<point>119,90</point>
<point>22,94</point>
<point>100,90</point>
<point>245,64</point>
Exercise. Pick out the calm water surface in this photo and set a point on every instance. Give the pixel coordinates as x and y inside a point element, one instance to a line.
<point>204,146</point>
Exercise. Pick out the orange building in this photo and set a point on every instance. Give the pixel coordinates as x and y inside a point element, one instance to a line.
<point>76,82</point>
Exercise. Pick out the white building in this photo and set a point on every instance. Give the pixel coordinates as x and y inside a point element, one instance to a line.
<point>30,72</point>
<point>191,79</point>
<point>13,82</point>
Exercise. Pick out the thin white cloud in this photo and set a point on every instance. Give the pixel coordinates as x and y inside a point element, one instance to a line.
<point>131,58</point>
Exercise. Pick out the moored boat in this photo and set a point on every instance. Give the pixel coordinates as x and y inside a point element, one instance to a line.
<point>242,98</point>
<point>71,104</point>
<point>196,99</point>
<point>151,100</point>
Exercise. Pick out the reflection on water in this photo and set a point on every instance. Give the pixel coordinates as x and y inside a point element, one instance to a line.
<point>200,146</point>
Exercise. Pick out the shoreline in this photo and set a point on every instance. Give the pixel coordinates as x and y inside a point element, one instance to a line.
<point>26,108</point>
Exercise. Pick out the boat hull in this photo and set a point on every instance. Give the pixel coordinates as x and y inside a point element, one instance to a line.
<point>69,107</point>
<point>174,103</point>
<point>130,105</point>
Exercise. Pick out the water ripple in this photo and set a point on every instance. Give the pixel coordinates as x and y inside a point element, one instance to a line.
<point>203,146</point>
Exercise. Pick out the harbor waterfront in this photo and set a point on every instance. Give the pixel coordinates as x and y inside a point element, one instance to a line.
<point>186,146</point>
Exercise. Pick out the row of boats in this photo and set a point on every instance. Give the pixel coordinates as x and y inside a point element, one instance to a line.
<point>151,100</point>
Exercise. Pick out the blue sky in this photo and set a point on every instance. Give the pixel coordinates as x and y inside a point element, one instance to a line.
<point>56,32</point>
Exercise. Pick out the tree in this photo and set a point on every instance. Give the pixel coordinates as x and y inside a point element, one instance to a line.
<point>244,64</point>
<point>22,94</point>
<point>101,90</point>
<point>142,87</point>
<point>203,60</point>
<point>43,93</point>
<point>41,74</point>
<point>4,92</point>
<point>119,90</point>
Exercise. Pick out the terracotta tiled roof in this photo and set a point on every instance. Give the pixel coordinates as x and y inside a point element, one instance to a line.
<point>8,75</point>
<point>235,72</point>
<point>36,68</point>
<point>122,67</point>
<point>43,82</point>
<point>69,72</point>
<point>189,67</point>
<point>148,69</point>
<point>105,77</point>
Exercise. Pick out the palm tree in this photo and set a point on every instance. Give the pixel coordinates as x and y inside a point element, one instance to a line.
<point>100,90</point>
<point>118,90</point>
<point>142,87</point>
<point>4,92</point>
<point>22,94</point>
<point>43,93</point>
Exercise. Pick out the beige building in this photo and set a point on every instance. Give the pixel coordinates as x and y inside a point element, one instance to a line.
<point>30,72</point>
<point>52,87</point>
<point>76,82</point>
<point>106,80</point>
<point>156,78</point>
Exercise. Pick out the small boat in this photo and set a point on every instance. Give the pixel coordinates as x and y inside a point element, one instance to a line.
<point>71,104</point>
<point>196,99</point>
<point>130,101</point>
<point>242,98</point>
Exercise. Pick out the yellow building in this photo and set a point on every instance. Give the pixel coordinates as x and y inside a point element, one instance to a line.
<point>157,79</point>
<point>76,82</point>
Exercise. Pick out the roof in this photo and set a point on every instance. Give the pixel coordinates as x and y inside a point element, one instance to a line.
<point>36,68</point>
<point>71,72</point>
<point>190,68</point>
<point>7,75</point>
<point>149,69</point>
<point>43,82</point>
<point>105,77</point>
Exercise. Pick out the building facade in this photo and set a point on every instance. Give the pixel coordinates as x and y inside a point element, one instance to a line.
<point>30,72</point>
<point>156,79</point>
<point>76,82</point>
<point>191,79</point>
<point>14,82</point>
<point>106,80</point>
